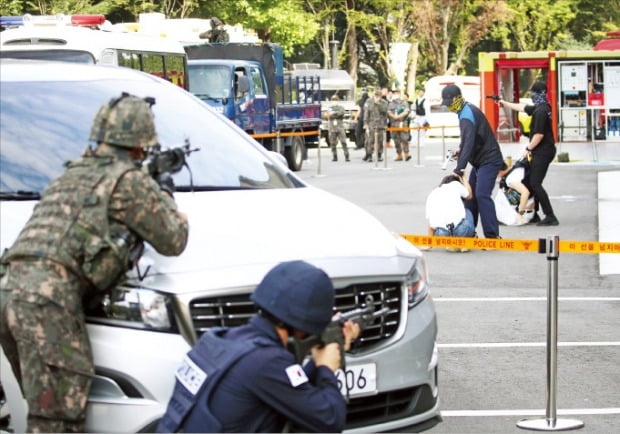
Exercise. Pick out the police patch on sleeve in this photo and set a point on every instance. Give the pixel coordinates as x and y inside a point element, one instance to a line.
<point>296,375</point>
<point>190,375</point>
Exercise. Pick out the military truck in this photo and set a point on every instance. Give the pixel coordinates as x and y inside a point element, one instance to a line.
<point>333,82</point>
<point>247,84</point>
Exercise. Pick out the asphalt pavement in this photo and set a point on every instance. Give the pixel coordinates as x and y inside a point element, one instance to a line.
<point>492,305</point>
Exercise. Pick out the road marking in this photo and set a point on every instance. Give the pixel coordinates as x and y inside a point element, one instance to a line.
<point>435,299</point>
<point>528,344</point>
<point>541,412</point>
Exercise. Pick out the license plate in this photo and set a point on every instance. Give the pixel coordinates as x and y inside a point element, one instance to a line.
<point>358,379</point>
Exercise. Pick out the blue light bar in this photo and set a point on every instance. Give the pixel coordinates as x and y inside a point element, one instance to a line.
<point>11,21</point>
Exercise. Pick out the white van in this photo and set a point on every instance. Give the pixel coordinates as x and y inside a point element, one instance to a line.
<point>438,115</point>
<point>81,39</point>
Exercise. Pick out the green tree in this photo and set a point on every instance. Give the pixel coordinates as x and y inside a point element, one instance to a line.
<point>536,24</point>
<point>285,22</point>
<point>449,29</point>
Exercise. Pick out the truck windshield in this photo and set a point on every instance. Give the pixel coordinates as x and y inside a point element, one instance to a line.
<point>210,81</point>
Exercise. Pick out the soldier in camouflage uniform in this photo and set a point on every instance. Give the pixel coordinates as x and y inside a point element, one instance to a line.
<point>82,237</point>
<point>375,122</point>
<point>398,111</point>
<point>217,33</point>
<point>335,126</point>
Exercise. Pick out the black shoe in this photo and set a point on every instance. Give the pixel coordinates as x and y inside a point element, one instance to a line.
<point>380,158</point>
<point>334,158</point>
<point>346,158</point>
<point>535,219</point>
<point>549,220</point>
<point>366,157</point>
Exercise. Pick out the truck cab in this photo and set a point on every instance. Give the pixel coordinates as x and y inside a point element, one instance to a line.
<point>237,89</point>
<point>246,83</point>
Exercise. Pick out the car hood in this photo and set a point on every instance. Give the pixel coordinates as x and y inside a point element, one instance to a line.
<point>236,236</point>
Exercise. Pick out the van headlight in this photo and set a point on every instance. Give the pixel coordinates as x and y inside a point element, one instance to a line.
<point>417,282</point>
<point>136,308</point>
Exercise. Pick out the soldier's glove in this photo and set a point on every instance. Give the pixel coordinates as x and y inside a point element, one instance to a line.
<point>166,183</point>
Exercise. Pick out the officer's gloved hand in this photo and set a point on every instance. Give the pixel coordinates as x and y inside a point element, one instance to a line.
<point>166,183</point>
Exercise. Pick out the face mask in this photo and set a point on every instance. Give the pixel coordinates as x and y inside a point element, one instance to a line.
<point>457,104</point>
<point>539,98</point>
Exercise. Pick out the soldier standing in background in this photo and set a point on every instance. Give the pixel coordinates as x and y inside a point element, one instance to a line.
<point>86,231</point>
<point>335,126</point>
<point>217,33</point>
<point>360,134</point>
<point>398,111</point>
<point>375,122</point>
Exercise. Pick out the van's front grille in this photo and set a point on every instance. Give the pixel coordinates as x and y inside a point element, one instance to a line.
<point>233,310</point>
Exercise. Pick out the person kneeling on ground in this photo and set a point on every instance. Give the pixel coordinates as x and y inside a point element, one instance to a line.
<point>243,379</point>
<point>513,185</point>
<point>445,210</point>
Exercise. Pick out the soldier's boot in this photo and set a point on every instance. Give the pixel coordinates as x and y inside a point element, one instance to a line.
<point>379,157</point>
<point>335,157</point>
<point>399,156</point>
<point>407,156</point>
<point>346,157</point>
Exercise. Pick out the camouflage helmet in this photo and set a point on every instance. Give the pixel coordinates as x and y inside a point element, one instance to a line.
<point>126,121</point>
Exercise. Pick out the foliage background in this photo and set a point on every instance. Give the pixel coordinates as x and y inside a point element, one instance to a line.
<point>446,35</point>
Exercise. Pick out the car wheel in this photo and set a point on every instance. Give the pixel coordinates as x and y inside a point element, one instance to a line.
<point>294,153</point>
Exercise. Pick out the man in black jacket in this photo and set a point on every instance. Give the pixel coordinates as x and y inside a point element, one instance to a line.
<point>480,149</point>
<point>540,150</point>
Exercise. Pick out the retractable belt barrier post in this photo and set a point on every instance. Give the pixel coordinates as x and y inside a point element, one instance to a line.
<point>552,246</point>
<point>550,422</point>
<point>278,143</point>
<point>418,145</point>
<point>318,156</point>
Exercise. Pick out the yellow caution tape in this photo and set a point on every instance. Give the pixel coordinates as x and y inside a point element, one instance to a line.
<point>510,244</point>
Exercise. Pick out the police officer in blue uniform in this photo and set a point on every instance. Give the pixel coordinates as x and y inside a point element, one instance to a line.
<point>244,379</point>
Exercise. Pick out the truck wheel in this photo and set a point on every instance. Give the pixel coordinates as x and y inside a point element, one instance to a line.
<point>294,153</point>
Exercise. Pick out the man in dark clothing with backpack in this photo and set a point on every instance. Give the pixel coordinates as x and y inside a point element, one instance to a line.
<point>540,150</point>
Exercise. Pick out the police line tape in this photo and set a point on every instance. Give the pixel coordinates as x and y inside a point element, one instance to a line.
<point>594,247</point>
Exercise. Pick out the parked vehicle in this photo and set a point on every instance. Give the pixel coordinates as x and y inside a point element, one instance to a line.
<point>236,195</point>
<point>245,82</point>
<point>82,39</point>
<point>439,116</point>
<point>333,82</point>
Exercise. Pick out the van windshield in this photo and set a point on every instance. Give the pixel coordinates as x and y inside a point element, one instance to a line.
<point>43,124</point>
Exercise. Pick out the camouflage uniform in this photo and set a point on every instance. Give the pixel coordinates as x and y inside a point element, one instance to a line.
<point>398,111</point>
<point>82,237</point>
<point>375,120</point>
<point>335,118</point>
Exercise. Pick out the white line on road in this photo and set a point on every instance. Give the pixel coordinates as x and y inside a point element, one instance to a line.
<point>435,299</point>
<point>561,412</point>
<point>528,344</point>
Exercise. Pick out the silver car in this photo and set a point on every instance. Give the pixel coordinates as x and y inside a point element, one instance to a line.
<point>247,212</point>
